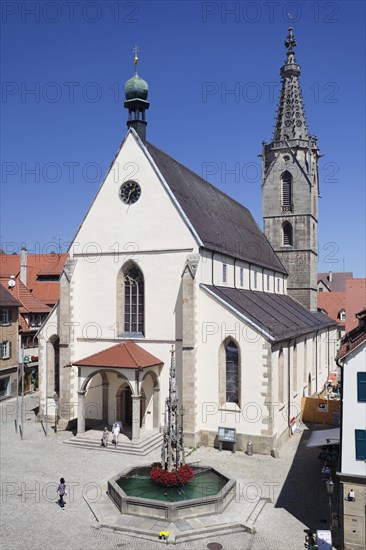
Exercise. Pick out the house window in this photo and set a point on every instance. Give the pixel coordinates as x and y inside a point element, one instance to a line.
<point>342,315</point>
<point>360,441</point>
<point>287,234</point>
<point>4,317</point>
<point>361,387</point>
<point>320,289</point>
<point>278,285</point>
<point>286,192</point>
<point>255,279</point>
<point>232,372</point>
<point>267,282</point>
<point>134,300</point>
<point>224,273</point>
<point>241,276</point>
<point>5,350</point>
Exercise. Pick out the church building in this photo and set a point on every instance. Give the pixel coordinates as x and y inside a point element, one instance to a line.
<point>164,259</point>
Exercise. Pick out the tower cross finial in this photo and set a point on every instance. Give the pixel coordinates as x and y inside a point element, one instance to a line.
<point>290,41</point>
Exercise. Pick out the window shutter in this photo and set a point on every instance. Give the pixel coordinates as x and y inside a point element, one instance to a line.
<point>286,189</point>
<point>360,437</point>
<point>361,387</point>
<point>10,346</point>
<point>2,350</point>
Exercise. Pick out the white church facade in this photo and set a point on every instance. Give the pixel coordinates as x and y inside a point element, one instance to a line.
<point>163,259</point>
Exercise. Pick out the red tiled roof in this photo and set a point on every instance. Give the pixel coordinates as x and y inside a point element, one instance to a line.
<point>333,303</point>
<point>127,355</point>
<point>37,264</point>
<point>29,302</point>
<point>355,301</point>
<point>355,337</point>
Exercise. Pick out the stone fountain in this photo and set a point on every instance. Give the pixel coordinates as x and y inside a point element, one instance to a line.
<point>208,492</point>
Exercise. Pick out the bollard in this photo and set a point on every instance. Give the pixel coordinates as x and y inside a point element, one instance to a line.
<point>250,448</point>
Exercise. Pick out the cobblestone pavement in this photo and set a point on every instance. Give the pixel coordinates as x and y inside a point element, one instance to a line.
<point>30,468</point>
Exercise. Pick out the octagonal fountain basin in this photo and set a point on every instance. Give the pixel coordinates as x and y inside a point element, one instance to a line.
<point>133,492</point>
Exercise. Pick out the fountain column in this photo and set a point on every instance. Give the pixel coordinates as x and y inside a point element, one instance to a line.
<point>81,411</point>
<point>136,407</point>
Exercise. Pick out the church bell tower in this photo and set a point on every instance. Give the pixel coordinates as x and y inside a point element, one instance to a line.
<point>290,188</point>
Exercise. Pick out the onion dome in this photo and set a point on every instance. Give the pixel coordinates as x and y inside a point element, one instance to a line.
<point>136,87</point>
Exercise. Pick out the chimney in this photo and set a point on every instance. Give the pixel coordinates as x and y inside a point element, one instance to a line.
<point>330,276</point>
<point>23,266</point>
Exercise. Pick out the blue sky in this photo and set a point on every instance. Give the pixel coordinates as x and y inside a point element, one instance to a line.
<point>58,142</point>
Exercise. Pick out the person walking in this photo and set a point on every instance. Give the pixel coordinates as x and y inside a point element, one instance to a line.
<point>116,431</point>
<point>61,490</point>
<point>104,439</point>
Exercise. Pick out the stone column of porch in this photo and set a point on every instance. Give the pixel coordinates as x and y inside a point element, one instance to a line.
<point>81,412</point>
<point>136,406</point>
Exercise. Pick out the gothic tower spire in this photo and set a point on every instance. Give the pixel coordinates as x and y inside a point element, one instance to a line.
<point>290,186</point>
<point>290,120</point>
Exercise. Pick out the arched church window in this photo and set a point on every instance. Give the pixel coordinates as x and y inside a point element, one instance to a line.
<point>134,300</point>
<point>286,192</point>
<point>232,372</point>
<point>287,234</point>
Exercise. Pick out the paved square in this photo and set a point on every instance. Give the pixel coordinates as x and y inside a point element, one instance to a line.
<point>31,468</point>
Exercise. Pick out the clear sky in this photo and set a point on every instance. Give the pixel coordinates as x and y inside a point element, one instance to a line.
<point>64,64</point>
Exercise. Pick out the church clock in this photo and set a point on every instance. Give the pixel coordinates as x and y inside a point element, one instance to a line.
<point>130,192</point>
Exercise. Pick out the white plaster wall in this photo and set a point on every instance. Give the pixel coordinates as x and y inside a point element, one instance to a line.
<point>95,302</point>
<point>221,323</point>
<point>205,274</point>
<point>354,413</point>
<point>112,226</point>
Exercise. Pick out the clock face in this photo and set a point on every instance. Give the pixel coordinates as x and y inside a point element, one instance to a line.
<point>130,192</point>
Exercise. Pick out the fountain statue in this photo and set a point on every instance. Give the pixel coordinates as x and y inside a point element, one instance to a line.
<point>172,450</point>
<point>172,470</point>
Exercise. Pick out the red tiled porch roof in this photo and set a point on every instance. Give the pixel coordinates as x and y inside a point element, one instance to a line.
<point>127,355</point>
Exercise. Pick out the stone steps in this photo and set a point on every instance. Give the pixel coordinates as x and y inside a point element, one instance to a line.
<point>139,448</point>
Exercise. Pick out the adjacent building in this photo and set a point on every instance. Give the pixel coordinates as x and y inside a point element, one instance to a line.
<point>352,474</point>
<point>8,343</point>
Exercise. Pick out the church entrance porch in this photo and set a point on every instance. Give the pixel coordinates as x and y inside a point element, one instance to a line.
<point>126,389</point>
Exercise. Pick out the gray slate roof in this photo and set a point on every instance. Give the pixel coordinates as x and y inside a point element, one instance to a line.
<point>277,314</point>
<point>222,224</point>
<point>6,299</point>
<point>338,283</point>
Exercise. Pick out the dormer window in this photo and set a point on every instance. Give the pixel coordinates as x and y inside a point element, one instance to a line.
<point>241,276</point>
<point>342,315</point>
<point>224,273</point>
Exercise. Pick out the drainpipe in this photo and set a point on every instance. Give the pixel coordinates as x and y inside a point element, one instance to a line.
<point>289,386</point>
<point>328,349</point>
<point>316,361</point>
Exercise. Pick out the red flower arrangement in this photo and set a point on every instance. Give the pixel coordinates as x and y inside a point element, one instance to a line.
<point>171,479</point>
